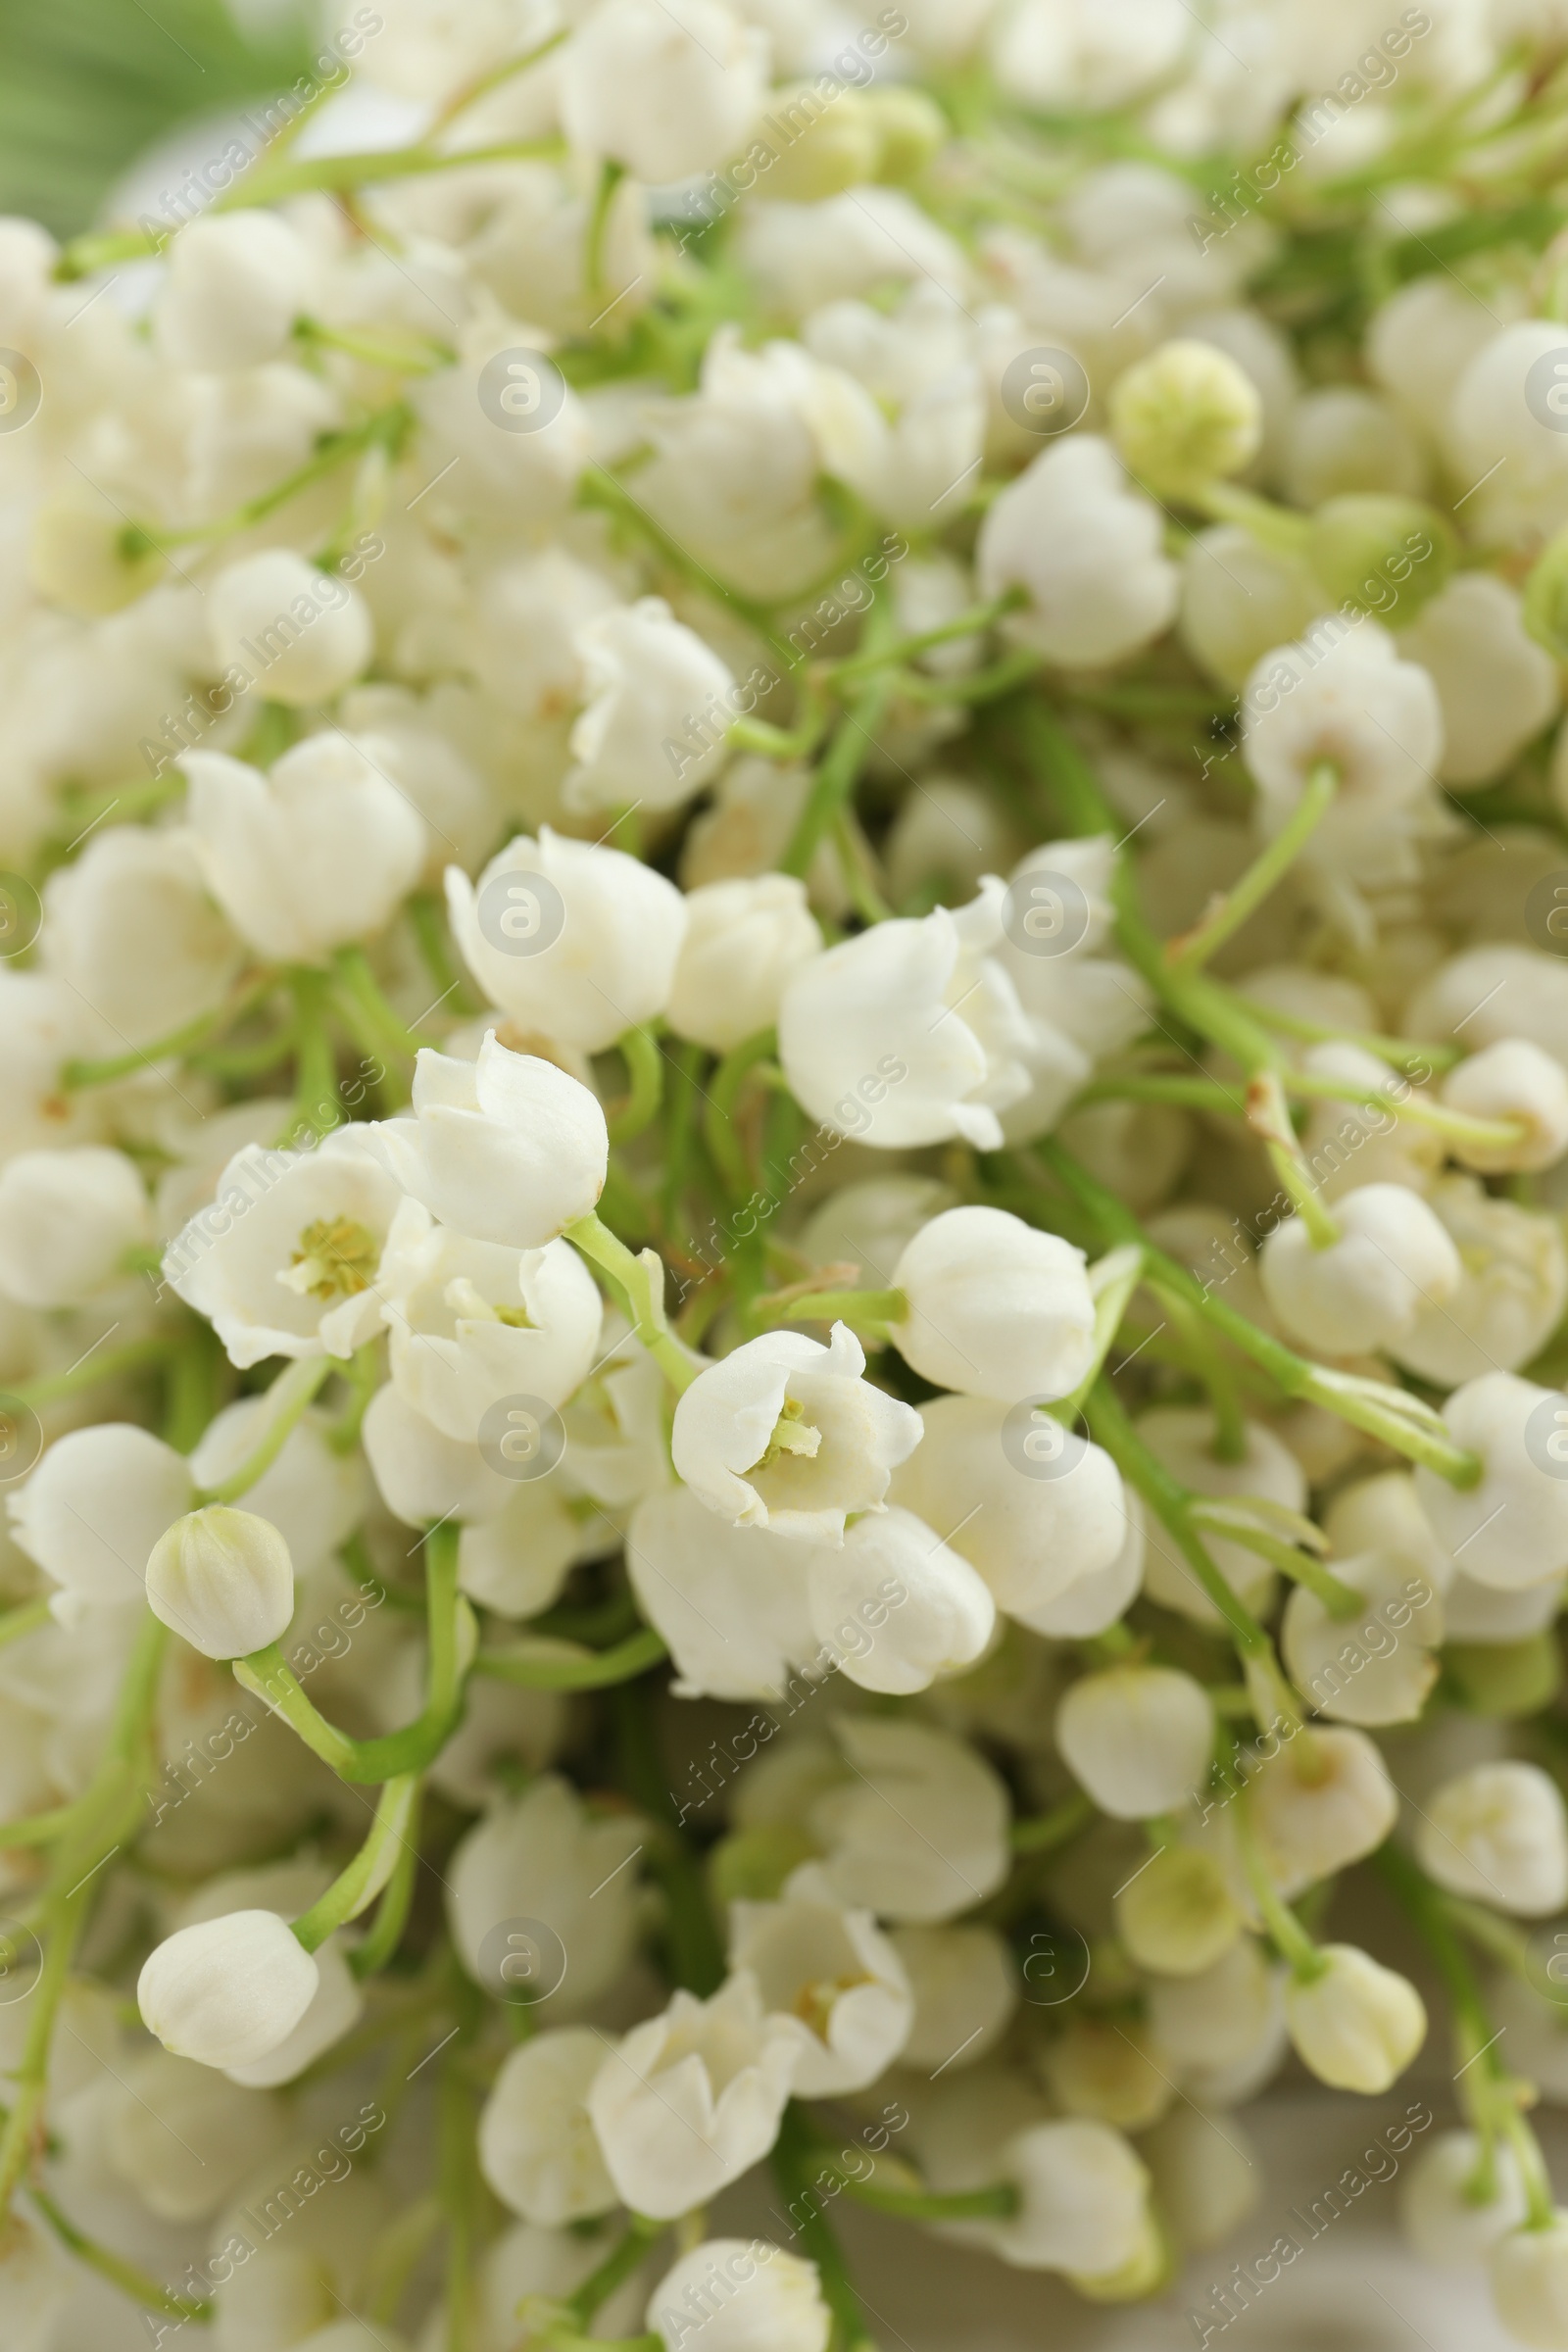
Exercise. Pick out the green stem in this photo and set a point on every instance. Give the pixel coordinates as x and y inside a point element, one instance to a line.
<point>428,921</point>
<point>617,2265</point>
<point>1158,1086</point>
<point>116,2269</point>
<point>722,1105</point>
<point>421,356</point>
<point>1456,1126</point>
<point>897,651</point>
<point>1112,1283</point>
<point>849,748</point>
<point>796,2166</point>
<point>1291,1939</point>
<point>1247,895</point>
<point>315,1095</point>
<point>397,1897</point>
<point>339,172</point>
<point>610,175</point>
<point>640,1280</point>
<point>1277,528</point>
<point>385,425</point>
<point>1396,1051</point>
<point>360,984</point>
<point>416,1747</point>
<point>536,1668</point>
<point>998,2203</point>
<point>355,1888</point>
<point>18,1623</point>
<point>289,1397</point>
<point>639,1050</point>
<point>107,1364</point>
<point>37,1829</point>
<point>1338,1597</point>
<point>1268,1115</point>
<point>1048,1831</point>
<point>872,1311</point>
<point>105,1072</point>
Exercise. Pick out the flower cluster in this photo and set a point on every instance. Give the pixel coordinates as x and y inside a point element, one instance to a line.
<point>782,972</point>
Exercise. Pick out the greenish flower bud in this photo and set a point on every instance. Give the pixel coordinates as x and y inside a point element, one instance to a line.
<point>1184,418</point>
<point>1505,1677</point>
<point>911,126</point>
<point>1547,598</point>
<point>750,1866</point>
<point>821,147</point>
<point>1385,555</point>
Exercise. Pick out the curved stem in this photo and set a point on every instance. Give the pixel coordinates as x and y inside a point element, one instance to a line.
<point>1338,1597</point>
<point>849,748</point>
<point>336,171</point>
<point>289,1397</point>
<point>107,1364</point>
<point>640,1281</point>
<point>1396,1051</point>
<point>355,1888</point>
<point>897,651</point>
<point>872,1311</point>
<point>549,1665</point>
<point>1268,1115</point>
<point>1291,1939</point>
<point>1046,1831</point>
<point>105,1072</point>
<point>639,1050</point>
<point>120,2272</point>
<point>618,2267</point>
<point>1111,1282</point>
<point>719,1110</point>
<point>397,1897</point>
<point>360,983</point>
<point>610,175</point>
<point>18,1623</point>
<point>1262,876</point>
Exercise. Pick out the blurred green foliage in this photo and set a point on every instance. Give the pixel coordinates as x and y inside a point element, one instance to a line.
<point>87,85</point>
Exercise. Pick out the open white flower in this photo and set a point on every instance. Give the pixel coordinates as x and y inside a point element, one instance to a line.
<point>537,2147</point>
<point>789,1435</point>
<point>689,2101</point>
<point>730,1601</point>
<point>916,1828</point>
<point>543,1858</point>
<point>68,1223</point>
<point>741,2298</point>
<point>834,1975</point>
<point>1086,546</point>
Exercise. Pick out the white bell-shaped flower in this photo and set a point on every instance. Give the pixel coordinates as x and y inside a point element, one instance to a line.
<point>996,1307</point>
<point>1365,1290</point>
<point>1177,1915</point>
<point>730,1601</point>
<point>321,852</point>
<point>1221,2016</point>
<point>1498,1834</point>
<point>789,1435</point>
<point>1512,1291</point>
<point>1035,1508</point>
<point>917,1826</point>
<point>575,941</point>
<point>694,2097</point>
<point>222,1579</point>
<point>743,2298</point>
<point>92,1512</point>
<point>236,282</point>
<point>285,1261</point>
<point>1083,2200</point>
<point>337,2007</point>
<point>1497,686</point>
<point>897,1609</point>
<point>474,1322</point>
<point>834,1974</point>
<point>1357,2024</point>
<point>68,1221</point>
<point>1511,1530</point>
<point>1528,2274</point>
<point>422,1474</point>
<point>301,634</point>
<point>1438,2214</point>
<point>543,1859</point>
<point>1086,546</point>
<point>966,1988</point>
<point>130,929</point>
<point>1512,1080</point>
<point>745,940</point>
<point>537,2147</point>
<point>315,1493</point>
<point>652,688</point>
<point>1341,694</point>
<point>228,1991</point>
<point>506,1150</point>
<point>663,91</point>
<point>911,1032</point>
<point>1139,1738</point>
<point>1376,1666</point>
<point>1319,1803</point>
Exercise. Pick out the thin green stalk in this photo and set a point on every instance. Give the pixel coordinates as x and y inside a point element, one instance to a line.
<point>420,356</point>
<point>1291,1939</point>
<point>897,651</point>
<point>1245,895</point>
<point>107,1363</point>
<point>1113,1282</point>
<point>1455,1126</point>
<point>849,745</point>
<point>1338,1597</point>
<point>1041,1834</point>
<point>794,2168</point>
<point>610,175</point>
<point>1396,1051</point>
<point>1159,1086</point>
<point>355,1888</point>
<point>27,1619</point>
<point>120,2272</point>
<point>106,1071</point>
<point>618,2267</point>
<point>1268,1115</point>
<point>640,1280</point>
<point>289,1397</point>
<point>870,1311</point>
<point>357,980</point>
<point>722,1103</point>
<point>397,1896</point>
<point>639,1050</point>
<point>339,172</point>
<point>536,1666</point>
<point>316,1106</point>
<point>428,921</point>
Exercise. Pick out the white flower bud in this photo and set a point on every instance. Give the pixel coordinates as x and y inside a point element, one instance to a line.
<point>1497,686</point>
<point>896,1607</point>
<point>319,853</point>
<point>1357,2024</point>
<point>659,707</point>
<point>1498,1834</point>
<point>1178,1915</point>
<point>223,1581</point>
<point>1239,600</point>
<point>745,940</point>
<point>1083,2200</point>
<point>1379,1665</point>
<point>1511,1296</point>
<point>1035,1508</point>
<point>1529,2279</point>
<point>1511,1530</point>
<point>235,284</point>
<point>996,1307</point>
<point>335,2008</point>
<point>537,2147</point>
<point>506,1150</point>
<point>608,930</point>
<point>228,1991</point>
<point>1320,1803</point>
<point>95,1506</point>
<point>1365,1290</point>
<point>1343,694</point>
<point>1512,1080</point>
<point>966,1988</point>
<point>1140,1738</point>
<point>1440,2217</point>
<point>693,2098</point>
<point>542,1857</point>
<point>1205,2177</point>
<point>1184,418</point>
<point>130,931</point>
<point>302,634</point>
<point>68,1221</point>
<point>834,1975</point>
<point>315,1494</point>
<point>741,2298</point>
<point>789,1435</point>
<point>1222,2015</point>
<point>663,91</point>
<point>1106,2072</point>
<point>1086,546</point>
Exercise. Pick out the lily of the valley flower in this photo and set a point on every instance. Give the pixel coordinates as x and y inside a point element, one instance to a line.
<point>834,1975</point>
